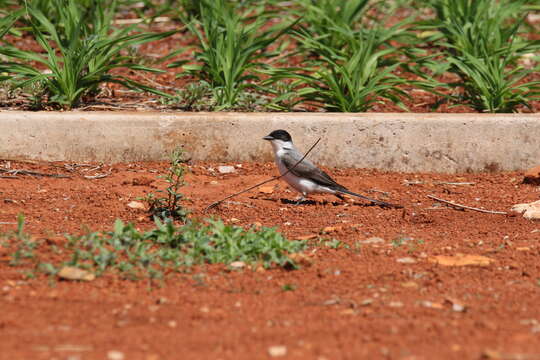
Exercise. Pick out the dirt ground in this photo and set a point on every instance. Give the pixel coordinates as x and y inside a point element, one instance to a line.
<point>386,298</point>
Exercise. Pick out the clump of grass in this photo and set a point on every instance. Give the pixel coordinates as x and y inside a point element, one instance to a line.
<point>230,48</point>
<point>344,79</point>
<point>481,44</point>
<point>81,48</point>
<point>168,247</point>
<point>169,206</point>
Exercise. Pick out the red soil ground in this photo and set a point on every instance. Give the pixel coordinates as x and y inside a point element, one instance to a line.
<point>361,302</point>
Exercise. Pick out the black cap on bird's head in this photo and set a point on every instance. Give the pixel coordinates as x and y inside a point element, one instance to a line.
<point>278,135</point>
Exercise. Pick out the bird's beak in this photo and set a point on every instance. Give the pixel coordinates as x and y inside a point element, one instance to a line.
<point>268,137</point>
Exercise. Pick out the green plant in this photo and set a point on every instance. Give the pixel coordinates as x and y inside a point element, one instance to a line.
<point>24,243</point>
<point>288,287</point>
<point>333,244</point>
<point>170,206</point>
<point>493,84</point>
<point>346,79</point>
<point>481,45</point>
<point>81,49</point>
<point>169,247</point>
<point>230,48</point>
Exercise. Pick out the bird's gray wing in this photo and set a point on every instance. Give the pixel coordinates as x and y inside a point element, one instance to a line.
<point>307,169</point>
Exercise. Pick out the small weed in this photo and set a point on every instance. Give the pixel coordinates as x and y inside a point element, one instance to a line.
<point>170,206</point>
<point>333,244</point>
<point>397,242</point>
<point>289,287</point>
<point>24,244</point>
<point>413,245</point>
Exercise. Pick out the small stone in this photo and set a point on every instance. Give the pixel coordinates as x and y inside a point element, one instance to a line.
<point>461,260</point>
<point>237,264</point>
<point>277,351</point>
<point>395,304</point>
<point>234,220</point>
<point>406,260</point>
<point>214,182</point>
<point>115,355</point>
<point>172,323</point>
<point>266,189</point>
<point>330,229</point>
<point>136,205</point>
<point>409,284</point>
<point>532,176</point>
<point>431,305</point>
<point>373,240</point>
<point>225,169</point>
<point>73,273</point>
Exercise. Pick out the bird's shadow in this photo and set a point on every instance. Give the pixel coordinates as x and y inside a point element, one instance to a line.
<point>323,202</point>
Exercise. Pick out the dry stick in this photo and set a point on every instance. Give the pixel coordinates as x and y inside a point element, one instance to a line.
<point>466,207</point>
<point>214,204</point>
<point>32,173</point>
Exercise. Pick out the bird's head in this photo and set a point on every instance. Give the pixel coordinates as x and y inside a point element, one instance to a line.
<point>278,135</point>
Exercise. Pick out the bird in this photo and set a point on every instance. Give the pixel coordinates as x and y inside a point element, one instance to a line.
<point>306,177</point>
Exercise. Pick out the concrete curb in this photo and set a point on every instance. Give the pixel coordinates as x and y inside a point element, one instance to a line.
<point>407,142</point>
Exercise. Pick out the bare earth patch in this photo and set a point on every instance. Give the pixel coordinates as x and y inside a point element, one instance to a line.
<point>424,282</point>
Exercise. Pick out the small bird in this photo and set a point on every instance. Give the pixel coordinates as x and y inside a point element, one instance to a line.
<point>305,177</point>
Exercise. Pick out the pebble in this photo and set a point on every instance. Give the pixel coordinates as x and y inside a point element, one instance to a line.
<point>226,169</point>
<point>237,264</point>
<point>277,351</point>
<point>115,355</point>
<point>406,260</point>
<point>136,205</point>
<point>395,304</point>
<point>373,240</point>
<point>73,273</point>
<point>172,323</point>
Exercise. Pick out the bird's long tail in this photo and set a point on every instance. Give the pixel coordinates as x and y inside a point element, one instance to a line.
<point>374,201</point>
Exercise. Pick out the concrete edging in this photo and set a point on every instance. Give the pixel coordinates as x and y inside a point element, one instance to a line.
<point>407,142</point>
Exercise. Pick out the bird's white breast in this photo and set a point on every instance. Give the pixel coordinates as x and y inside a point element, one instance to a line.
<point>303,186</point>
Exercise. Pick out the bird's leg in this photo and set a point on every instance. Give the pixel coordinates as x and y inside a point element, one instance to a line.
<point>300,199</point>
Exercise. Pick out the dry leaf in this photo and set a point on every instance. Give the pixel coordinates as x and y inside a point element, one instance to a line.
<point>461,260</point>
<point>306,237</point>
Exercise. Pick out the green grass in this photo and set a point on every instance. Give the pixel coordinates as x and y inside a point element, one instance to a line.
<point>344,79</point>
<point>480,42</point>
<point>231,47</point>
<point>134,254</point>
<point>81,48</point>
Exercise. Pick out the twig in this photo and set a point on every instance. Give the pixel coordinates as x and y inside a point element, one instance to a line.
<point>97,176</point>
<point>32,173</point>
<point>216,203</point>
<point>459,206</point>
<point>8,177</point>
<point>453,183</point>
